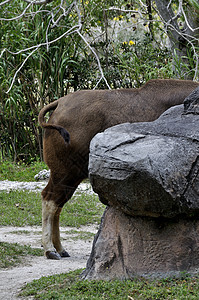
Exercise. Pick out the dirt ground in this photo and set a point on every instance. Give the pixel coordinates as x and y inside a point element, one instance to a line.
<point>12,279</point>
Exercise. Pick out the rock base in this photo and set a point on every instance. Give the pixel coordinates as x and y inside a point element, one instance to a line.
<point>128,246</point>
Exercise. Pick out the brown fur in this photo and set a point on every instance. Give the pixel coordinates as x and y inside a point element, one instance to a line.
<point>85,113</point>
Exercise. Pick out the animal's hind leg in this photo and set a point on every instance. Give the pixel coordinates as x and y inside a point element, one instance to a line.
<point>49,210</point>
<point>56,235</point>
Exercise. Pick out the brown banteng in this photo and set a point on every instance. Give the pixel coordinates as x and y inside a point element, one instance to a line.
<point>78,117</point>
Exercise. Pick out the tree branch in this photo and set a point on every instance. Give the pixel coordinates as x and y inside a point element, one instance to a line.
<point>38,2</point>
<point>167,16</point>
<point>75,29</point>
<point>186,20</point>
<point>179,38</point>
<point>98,61</point>
<point>17,17</point>
<point>125,10</point>
<point>4,2</point>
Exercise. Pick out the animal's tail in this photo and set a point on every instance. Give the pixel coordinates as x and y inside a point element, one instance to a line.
<point>64,133</point>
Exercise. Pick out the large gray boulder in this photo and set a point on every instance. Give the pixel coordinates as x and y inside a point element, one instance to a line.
<point>148,174</point>
<point>149,169</point>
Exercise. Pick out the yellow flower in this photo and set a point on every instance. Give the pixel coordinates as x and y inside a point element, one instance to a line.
<point>116,19</point>
<point>124,43</point>
<point>131,43</point>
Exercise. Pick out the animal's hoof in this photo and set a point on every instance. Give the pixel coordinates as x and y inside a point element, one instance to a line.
<point>53,255</point>
<point>64,253</point>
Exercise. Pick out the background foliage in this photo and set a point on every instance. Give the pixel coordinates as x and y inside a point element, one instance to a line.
<point>129,38</point>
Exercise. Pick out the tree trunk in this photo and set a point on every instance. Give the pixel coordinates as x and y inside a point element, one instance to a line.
<point>182,40</point>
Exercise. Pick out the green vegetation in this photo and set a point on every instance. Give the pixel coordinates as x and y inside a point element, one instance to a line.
<point>131,42</point>
<point>20,208</point>
<point>69,286</point>
<point>82,209</point>
<point>14,254</point>
<point>20,171</point>
<point>83,235</point>
<point>21,232</point>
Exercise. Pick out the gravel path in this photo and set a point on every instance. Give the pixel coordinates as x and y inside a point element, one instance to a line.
<point>7,185</point>
<point>12,279</point>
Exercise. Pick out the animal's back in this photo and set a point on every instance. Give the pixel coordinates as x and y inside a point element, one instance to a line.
<point>99,109</point>
<point>87,112</point>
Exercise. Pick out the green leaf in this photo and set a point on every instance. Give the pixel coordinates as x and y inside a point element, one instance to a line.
<point>194,3</point>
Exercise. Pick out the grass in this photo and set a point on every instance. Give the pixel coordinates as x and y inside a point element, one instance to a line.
<point>69,286</point>
<point>19,171</point>
<point>13,254</point>
<point>80,235</point>
<point>21,232</point>
<point>21,208</point>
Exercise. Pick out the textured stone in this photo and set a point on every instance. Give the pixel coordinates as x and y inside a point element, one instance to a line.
<point>149,169</point>
<point>148,173</point>
<point>191,102</point>
<point>127,247</point>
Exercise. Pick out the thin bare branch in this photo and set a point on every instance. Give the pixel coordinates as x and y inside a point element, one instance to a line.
<point>92,50</point>
<point>70,31</point>
<point>169,4</point>
<point>142,4</point>
<point>19,69</point>
<point>121,9</point>
<point>185,17</point>
<point>35,48</point>
<point>65,13</point>
<point>4,2</point>
<point>170,22</point>
<point>40,2</point>
<point>19,16</point>
<point>125,10</point>
<point>98,61</point>
<point>47,43</point>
